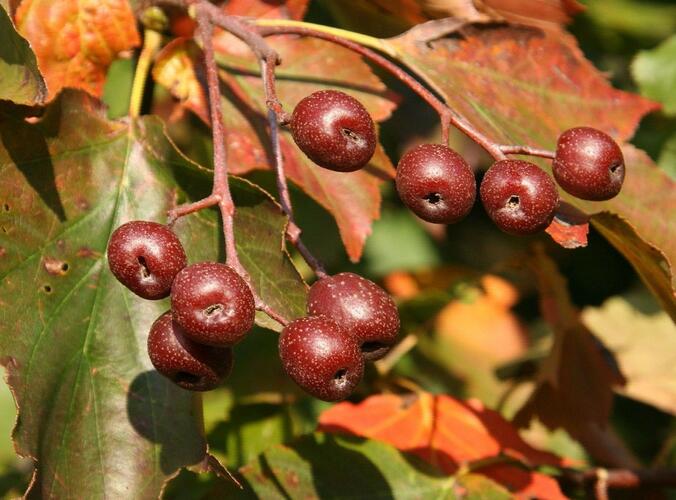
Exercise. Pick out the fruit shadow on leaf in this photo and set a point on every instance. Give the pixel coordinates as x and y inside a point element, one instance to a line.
<point>142,403</point>
<point>25,143</point>
<point>346,471</point>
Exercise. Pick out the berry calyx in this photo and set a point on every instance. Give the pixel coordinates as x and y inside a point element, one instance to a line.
<point>190,365</point>
<point>588,164</point>
<point>334,130</point>
<point>213,304</point>
<point>436,183</point>
<point>145,257</point>
<point>321,357</point>
<point>363,309</point>
<point>519,197</point>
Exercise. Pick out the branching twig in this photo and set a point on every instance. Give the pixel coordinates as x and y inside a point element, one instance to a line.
<point>621,478</point>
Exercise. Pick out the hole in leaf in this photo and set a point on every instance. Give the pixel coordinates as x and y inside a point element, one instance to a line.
<point>432,198</point>
<point>6,207</point>
<point>212,309</point>
<point>145,272</point>
<point>513,201</point>
<point>65,267</point>
<point>47,289</point>
<point>187,378</point>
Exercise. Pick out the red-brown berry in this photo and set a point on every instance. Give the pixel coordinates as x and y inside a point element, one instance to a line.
<point>519,197</point>
<point>145,257</point>
<point>213,304</point>
<point>190,365</point>
<point>334,130</point>
<point>321,357</point>
<point>436,183</point>
<point>588,164</point>
<point>363,309</point>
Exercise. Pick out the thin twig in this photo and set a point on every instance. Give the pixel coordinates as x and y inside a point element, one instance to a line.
<point>293,233</point>
<point>622,478</point>
<point>526,150</point>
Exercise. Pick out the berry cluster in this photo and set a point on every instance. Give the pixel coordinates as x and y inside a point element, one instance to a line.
<point>212,307</point>
<point>436,183</point>
<point>350,319</point>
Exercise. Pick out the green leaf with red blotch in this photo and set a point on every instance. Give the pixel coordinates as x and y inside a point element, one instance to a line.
<point>20,79</point>
<point>75,42</point>
<point>92,412</point>
<point>519,85</point>
<point>331,466</point>
<point>352,198</point>
<point>447,433</point>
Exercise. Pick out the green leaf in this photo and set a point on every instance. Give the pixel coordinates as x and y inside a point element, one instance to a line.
<point>655,72</point>
<point>334,466</point>
<point>667,160</point>
<point>20,78</point>
<point>93,413</point>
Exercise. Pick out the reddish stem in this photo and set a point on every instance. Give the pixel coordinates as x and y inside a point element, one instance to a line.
<point>526,150</point>
<point>274,106</point>
<point>446,114</point>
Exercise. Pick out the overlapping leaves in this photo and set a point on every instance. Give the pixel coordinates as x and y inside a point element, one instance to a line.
<point>93,413</point>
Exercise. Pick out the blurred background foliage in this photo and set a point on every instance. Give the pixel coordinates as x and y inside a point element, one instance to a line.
<point>476,334</point>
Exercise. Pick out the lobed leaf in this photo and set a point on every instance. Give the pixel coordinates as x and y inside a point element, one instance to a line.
<point>75,42</point>
<point>447,433</point>
<point>20,79</point>
<point>655,72</point>
<point>93,413</point>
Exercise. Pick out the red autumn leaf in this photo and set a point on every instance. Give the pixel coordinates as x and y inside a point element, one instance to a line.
<point>448,433</point>
<point>75,42</point>
<point>570,227</point>
<point>354,198</point>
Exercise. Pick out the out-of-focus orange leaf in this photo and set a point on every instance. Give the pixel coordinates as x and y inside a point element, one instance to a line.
<point>353,198</point>
<point>75,42</point>
<point>484,324</point>
<point>574,387</point>
<point>447,433</point>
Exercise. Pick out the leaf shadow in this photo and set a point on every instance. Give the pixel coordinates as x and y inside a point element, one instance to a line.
<point>161,413</point>
<point>27,147</point>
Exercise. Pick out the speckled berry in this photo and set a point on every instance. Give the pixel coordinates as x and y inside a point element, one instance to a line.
<point>363,309</point>
<point>145,257</point>
<point>334,130</point>
<point>188,364</point>
<point>436,183</point>
<point>321,357</point>
<point>588,164</point>
<point>213,304</point>
<point>519,196</point>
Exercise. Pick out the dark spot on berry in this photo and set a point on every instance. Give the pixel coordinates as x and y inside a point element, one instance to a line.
<point>145,272</point>
<point>432,198</point>
<point>339,376</point>
<point>513,201</point>
<point>213,309</point>
<point>615,166</point>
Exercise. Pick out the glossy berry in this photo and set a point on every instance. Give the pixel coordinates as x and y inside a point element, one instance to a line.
<point>145,257</point>
<point>588,164</point>
<point>212,303</point>
<point>363,309</point>
<point>334,130</point>
<point>519,197</point>
<point>321,357</point>
<point>188,364</point>
<point>436,183</point>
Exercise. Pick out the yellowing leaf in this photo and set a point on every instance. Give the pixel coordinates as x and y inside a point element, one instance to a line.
<point>75,41</point>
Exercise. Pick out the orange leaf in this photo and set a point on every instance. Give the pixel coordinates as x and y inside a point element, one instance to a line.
<point>447,433</point>
<point>75,42</point>
<point>286,9</point>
